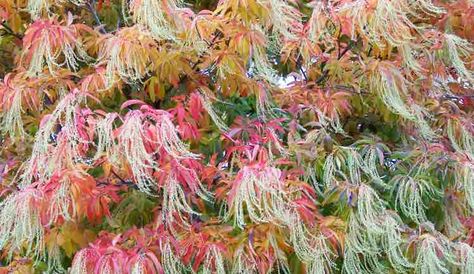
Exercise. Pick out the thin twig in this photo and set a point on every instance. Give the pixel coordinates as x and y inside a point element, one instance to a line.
<point>455,97</point>
<point>343,52</point>
<point>322,77</point>
<point>209,46</point>
<point>298,64</point>
<point>194,67</point>
<point>120,178</point>
<point>10,31</point>
<point>123,182</point>
<point>350,89</point>
<point>339,57</point>
<point>93,11</point>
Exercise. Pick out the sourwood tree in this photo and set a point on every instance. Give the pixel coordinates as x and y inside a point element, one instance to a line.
<point>237,136</point>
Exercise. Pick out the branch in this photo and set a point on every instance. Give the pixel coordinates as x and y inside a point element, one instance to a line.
<point>124,182</point>
<point>322,77</point>
<point>455,97</point>
<point>298,64</point>
<point>350,89</point>
<point>194,67</point>
<point>93,11</point>
<point>339,57</point>
<point>10,31</point>
<point>343,52</point>
<point>209,46</point>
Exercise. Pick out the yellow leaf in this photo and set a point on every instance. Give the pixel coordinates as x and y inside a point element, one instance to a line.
<point>15,22</point>
<point>73,237</point>
<point>161,92</point>
<point>151,88</point>
<point>107,167</point>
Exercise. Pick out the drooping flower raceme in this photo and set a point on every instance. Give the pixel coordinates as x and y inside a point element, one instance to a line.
<point>260,190</point>
<point>156,16</point>
<point>131,140</point>
<point>409,193</point>
<point>20,222</point>
<point>127,55</point>
<point>369,225</point>
<point>457,47</point>
<point>59,141</point>
<point>14,95</point>
<point>434,255</point>
<point>50,43</point>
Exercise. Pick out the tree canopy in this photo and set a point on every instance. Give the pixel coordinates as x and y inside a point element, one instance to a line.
<point>237,136</point>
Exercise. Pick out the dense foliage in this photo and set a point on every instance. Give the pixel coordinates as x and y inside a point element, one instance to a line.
<point>239,136</point>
